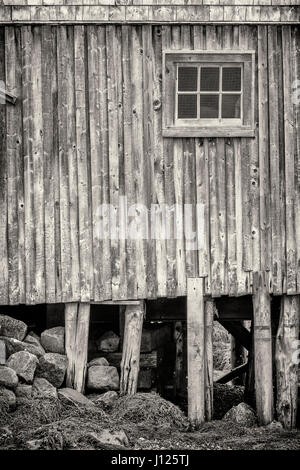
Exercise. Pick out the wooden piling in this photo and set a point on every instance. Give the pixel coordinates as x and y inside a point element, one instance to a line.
<point>196,350</point>
<point>130,363</point>
<point>209,379</point>
<point>286,361</point>
<point>77,318</point>
<point>262,348</point>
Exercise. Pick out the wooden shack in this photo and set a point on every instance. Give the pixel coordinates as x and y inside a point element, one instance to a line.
<point>110,107</point>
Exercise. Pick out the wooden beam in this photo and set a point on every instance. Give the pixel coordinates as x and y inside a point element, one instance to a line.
<point>77,318</point>
<point>196,351</point>
<point>147,360</point>
<point>262,347</point>
<point>286,363</point>
<point>209,377</point>
<point>117,302</point>
<point>239,332</point>
<point>236,372</point>
<point>130,363</point>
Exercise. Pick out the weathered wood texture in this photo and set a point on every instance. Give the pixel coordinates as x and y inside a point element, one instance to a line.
<point>286,361</point>
<point>86,130</point>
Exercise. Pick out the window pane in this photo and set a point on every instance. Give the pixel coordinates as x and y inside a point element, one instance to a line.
<point>209,106</point>
<point>209,79</point>
<point>231,79</point>
<point>187,106</point>
<point>187,78</point>
<point>231,106</point>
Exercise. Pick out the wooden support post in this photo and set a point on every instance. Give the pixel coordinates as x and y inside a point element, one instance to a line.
<point>262,348</point>
<point>130,363</point>
<point>77,319</point>
<point>209,378</point>
<point>196,350</point>
<point>286,361</point>
<point>249,396</point>
<point>238,357</point>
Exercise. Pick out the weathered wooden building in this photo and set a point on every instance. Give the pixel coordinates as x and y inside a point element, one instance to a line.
<point>173,103</point>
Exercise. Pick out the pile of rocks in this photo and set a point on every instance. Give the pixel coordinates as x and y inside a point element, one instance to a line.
<point>33,366</point>
<point>30,365</point>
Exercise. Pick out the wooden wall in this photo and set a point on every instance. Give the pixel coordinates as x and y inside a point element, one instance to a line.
<point>86,129</point>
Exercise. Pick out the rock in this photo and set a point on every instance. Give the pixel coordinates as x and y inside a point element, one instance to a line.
<point>12,328</point>
<point>23,391</point>
<point>53,340</point>
<point>107,398</point>
<point>68,395</point>
<point>108,342</point>
<point>275,426</point>
<point>52,366</point>
<point>41,388</point>
<point>14,345</point>
<point>110,439</point>
<point>8,397</point>
<point>24,363</point>
<point>102,378</point>
<point>32,338</point>
<point>98,361</point>
<point>8,377</point>
<point>2,353</point>
<point>241,414</point>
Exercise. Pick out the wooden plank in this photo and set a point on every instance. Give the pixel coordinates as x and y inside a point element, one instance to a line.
<point>238,331</point>
<point>158,157</point>
<point>262,348</point>
<point>77,318</point>
<point>63,48</point>
<point>49,84</point>
<point>209,392</point>
<point>196,350</point>
<point>128,159</point>
<point>38,167</point>
<point>265,223</point>
<point>291,279</point>
<point>3,185</point>
<point>147,360</point>
<point>233,374</point>
<point>130,363</point>
<point>286,365</point>
<point>85,240</point>
<point>12,151</point>
<point>27,45</point>
<point>136,61</point>
<point>273,68</point>
<point>148,116</point>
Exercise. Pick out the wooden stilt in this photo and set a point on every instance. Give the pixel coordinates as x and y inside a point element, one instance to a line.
<point>238,357</point>
<point>262,348</point>
<point>209,379</point>
<point>77,319</point>
<point>286,363</point>
<point>134,316</point>
<point>196,350</point>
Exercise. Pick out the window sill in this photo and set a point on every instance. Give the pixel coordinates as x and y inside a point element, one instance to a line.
<point>176,131</point>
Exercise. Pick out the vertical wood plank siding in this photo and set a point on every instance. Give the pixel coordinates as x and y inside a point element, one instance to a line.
<point>87,129</point>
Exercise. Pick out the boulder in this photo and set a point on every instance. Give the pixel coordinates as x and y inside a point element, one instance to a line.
<point>107,398</point>
<point>69,395</point>
<point>24,363</point>
<point>98,361</point>
<point>109,439</point>
<point>12,328</point>
<point>102,378</point>
<point>241,414</point>
<point>2,353</point>
<point>52,366</point>
<point>8,377</point>
<point>8,397</point>
<point>41,388</point>
<point>23,391</point>
<point>275,426</point>
<point>53,340</point>
<point>14,345</point>
<point>108,342</point>
<point>32,338</point>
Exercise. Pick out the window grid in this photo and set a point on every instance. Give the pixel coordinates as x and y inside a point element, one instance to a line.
<point>220,92</point>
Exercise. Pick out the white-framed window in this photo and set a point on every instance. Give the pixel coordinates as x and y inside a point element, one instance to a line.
<point>208,93</point>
